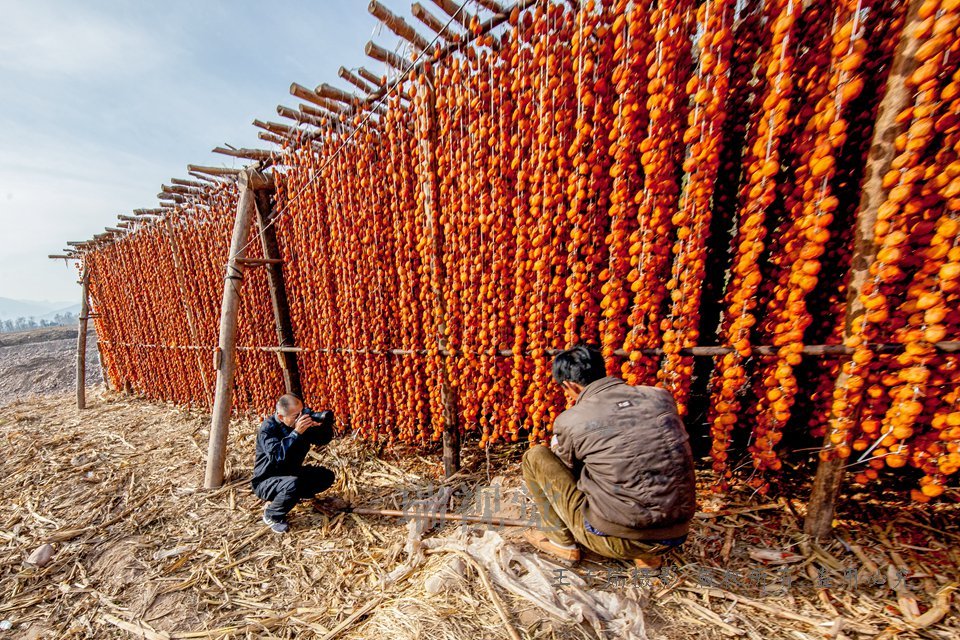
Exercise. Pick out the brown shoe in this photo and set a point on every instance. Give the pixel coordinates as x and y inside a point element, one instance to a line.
<point>648,562</point>
<point>542,543</point>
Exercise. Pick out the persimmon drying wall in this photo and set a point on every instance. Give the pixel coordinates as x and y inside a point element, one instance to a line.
<point>639,178</point>
<point>156,299</point>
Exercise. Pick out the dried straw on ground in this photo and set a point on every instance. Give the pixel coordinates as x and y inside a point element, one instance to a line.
<point>141,551</point>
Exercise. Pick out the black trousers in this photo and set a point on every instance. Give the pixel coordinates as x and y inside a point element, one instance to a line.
<point>284,492</point>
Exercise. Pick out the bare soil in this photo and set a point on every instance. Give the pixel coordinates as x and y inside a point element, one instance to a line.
<point>43,361</point>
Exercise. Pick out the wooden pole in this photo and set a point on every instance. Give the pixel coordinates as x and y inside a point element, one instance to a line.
<point>278,293</point>
<point>226,354</point>
<point>829,476</point>
<point>451,430</point>
<point>82,339</point>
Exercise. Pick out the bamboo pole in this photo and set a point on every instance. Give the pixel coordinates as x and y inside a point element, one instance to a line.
<point>82,339</point>
<point>226,353</point>
<point>829,475</point>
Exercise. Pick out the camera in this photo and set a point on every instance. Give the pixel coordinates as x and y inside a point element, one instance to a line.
<point>324,417</point>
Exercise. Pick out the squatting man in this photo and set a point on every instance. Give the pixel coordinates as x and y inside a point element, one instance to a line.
<point>279,475</point>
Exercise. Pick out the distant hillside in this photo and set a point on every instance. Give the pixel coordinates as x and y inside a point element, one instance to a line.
<point>38,309</point>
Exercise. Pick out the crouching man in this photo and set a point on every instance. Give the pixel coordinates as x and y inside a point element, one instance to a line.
<point>279,475</point>
<point>618,477</point>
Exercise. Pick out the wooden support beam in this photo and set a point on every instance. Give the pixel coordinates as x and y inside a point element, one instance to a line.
<point>188,183</point>
<point>331,92</point>
<point>226,353</point>
<point>398,25</point>
<point>62,257</point>
<point>113,230</point>
<point>278,293</point>
<point>455,11</point>
<point>355,80</point>
<point>172,197</point>
<point>279,129</point>
<point>301,117</point>
<point>272,137</point>
<point>312,97</point>
<point>315,112</point>
<point>377,52</point>
<point>82,338</point>
<point>148,212</point>
<point>492,5</point>
<point>433,23</point>
<point>371,77</point>
<point>213,171</point>
<point>206,178</point>
<point>246,154</point>
<point>177,188</point>
<point>829,476</point>
<point>127,218</point>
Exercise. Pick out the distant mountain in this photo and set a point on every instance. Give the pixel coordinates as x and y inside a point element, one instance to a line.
<point>40,309</point>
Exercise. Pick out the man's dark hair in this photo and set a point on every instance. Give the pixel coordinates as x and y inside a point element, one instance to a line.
<point>287,402</point>
<point>580,364</point>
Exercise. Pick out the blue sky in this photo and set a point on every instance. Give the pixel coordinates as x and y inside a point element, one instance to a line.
<point>101,102</point>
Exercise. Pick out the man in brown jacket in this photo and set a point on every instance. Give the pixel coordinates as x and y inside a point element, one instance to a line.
<point>618,476</point>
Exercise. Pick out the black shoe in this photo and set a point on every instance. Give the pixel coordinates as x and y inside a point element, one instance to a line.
<point>277,526</point>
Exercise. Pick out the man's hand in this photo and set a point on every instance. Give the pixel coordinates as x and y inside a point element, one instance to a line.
<point>303,423</point>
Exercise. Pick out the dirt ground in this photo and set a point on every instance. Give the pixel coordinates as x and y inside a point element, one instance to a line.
<point>44,361</point>
<point>140,550</point>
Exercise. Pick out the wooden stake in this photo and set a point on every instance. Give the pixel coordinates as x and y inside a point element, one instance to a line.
<point>249,181</point>
<point>278,293</point>
<point>82,339</point>
<point>829,476</point>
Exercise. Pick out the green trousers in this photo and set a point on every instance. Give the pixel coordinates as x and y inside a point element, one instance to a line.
<point>554,490</point>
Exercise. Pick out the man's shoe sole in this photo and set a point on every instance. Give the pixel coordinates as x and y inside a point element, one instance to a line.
<point>541,543</point>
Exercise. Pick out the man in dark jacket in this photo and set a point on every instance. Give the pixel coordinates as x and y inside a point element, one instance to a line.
<point>618,477</point>
<point>279,475</point>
